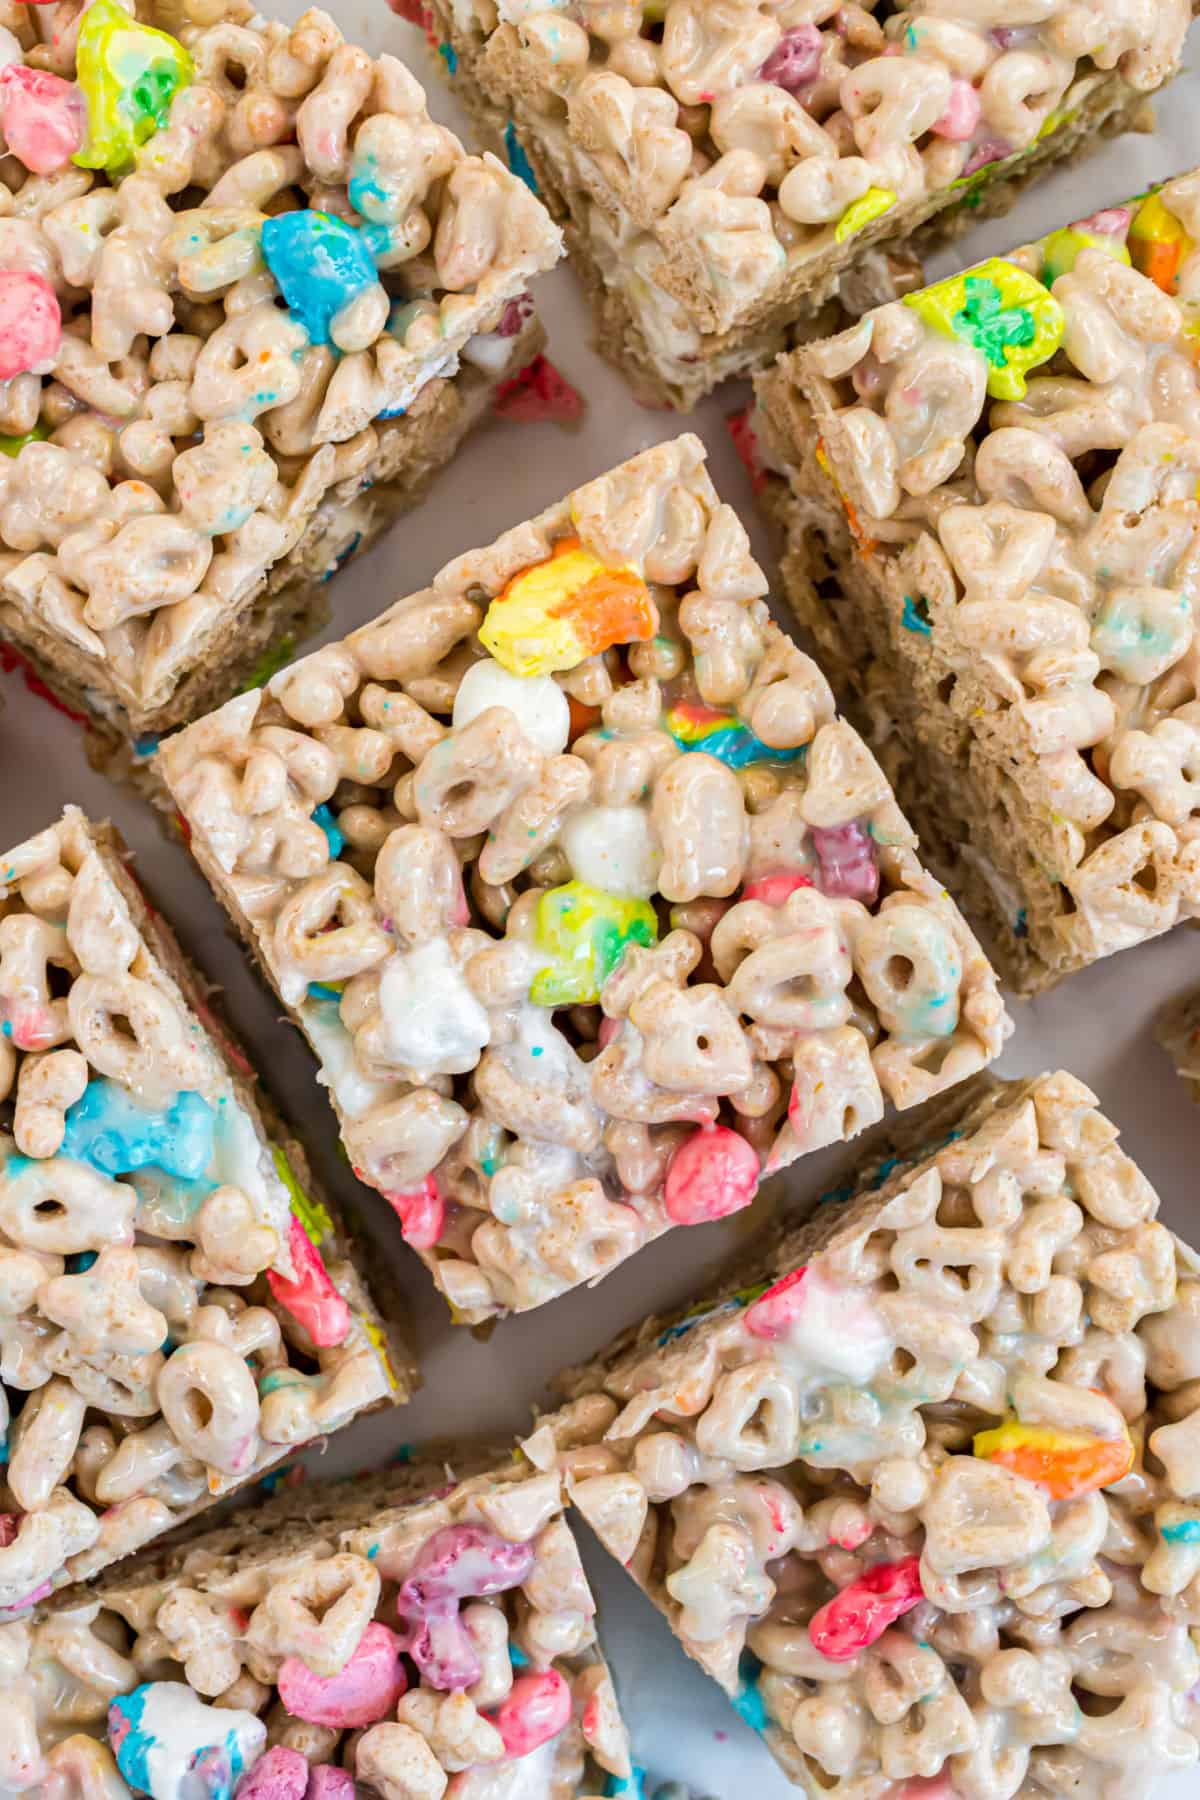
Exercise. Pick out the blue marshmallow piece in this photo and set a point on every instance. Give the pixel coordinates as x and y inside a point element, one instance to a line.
<point>108,1129</point>
<point>320,265</point>
<point>170,1745</point>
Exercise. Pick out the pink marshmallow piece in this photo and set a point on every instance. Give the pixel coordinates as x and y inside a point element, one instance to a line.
<point>422,1213</point>
<point>444,1654</point>
<point>311,1298</point>
<point>365,1690</point>
<point>279,1774</point>
<point>30,321</point>
<point>1110,221</point>
<point>776,886</point>
<point>712,1174</point>
<point>795,60</point>
<point>536,1710</point>
<point>461,1562</point>
<point>326,1782</point>
<point>772,1314</point>
<point>962,114</point>
<point>43,117</point>
<point>865,1608</point>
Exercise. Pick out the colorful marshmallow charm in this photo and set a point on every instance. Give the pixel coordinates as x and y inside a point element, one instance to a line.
<point>460,1562</point>
<point>43,117</point>
<point>712,1174</point>
<point>1105,231</point>
<point>107,1128</point>
<point>321,265</point>
<point>846,857</point>
<point>863,1610</point>
<point>1064,1463</point>
<point>557,613</point>
<point>1158,244</point>
<point>1008,316</point>
<point>30,322</point>
<point>538,1707</point>
<point>697,726</point>
<point>170,1745</point>
<point>536,702</point>
<point>860,213</point>
<point>585,932</point>
<point>310,1297</point>
<point>366,1689</point>
<point>280,1774</point>
<point>422,1213</point>
<point>129,73</point>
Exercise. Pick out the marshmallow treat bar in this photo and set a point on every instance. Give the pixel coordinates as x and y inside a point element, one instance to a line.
<point>427,1631</point>
<point>922,1489</point>
<point>1178,1031</point>
<point>989,491</point>
<point>590,907</point>
<point>179,1307</point>
<point>251,297</point>
<point>724,167</point>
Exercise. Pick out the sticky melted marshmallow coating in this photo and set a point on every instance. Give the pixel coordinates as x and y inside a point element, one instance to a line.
<point>726,163</point>
<point>425,1632</point>
<point>271,255</point>
<point>179,1306</point>
<point>924,1496</point>
<point>584,938</point>
<point>1001,469</point>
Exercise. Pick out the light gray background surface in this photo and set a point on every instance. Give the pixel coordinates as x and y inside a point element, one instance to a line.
<point>1099,1025</point>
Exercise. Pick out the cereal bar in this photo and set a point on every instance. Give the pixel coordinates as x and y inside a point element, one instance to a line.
<point>179,1308</point>
<point>922,1489</point>
<point>427,1631</point>
<point>1178,1031</point>
<point>724,167</point>
<point>587,902</point>
<point>989,492</point>
<point>251,297</point>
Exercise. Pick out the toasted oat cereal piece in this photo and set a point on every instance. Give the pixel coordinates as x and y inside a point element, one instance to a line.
<point>251,298</point>
<point>1000,476</point>
<point>588,904</point>
<point>920,1484</point>
<point>723,168</point>
<point>427,1631</point>
<point>179,1307</point>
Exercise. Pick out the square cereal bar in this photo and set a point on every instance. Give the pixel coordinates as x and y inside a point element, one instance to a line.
<point>724,167</point>
<point>251,298</point>
<point>921,1490</point>
<point>179,1307</point>
<point>547,915</point>
<point>990,499</point>
<point>422,1632</point>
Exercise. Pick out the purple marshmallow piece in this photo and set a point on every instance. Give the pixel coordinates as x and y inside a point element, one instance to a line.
<point>795,60</point>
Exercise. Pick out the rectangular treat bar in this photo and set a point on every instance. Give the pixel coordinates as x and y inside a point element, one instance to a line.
<point>993,530</point>
<point>179,1305</point>
<point>922,1492</point>
<point>544,912</point>
<point>725,167</point>
<point>235,342</point>
<point>427,1631</point>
